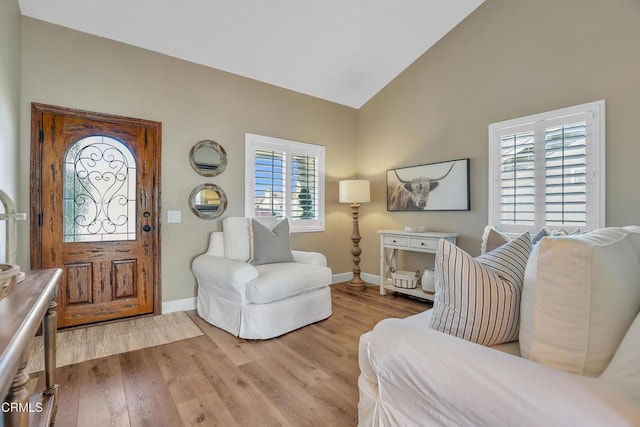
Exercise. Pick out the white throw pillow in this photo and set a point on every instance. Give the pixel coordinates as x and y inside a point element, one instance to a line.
<point>493,238</point>
<point>236,232</point>
<point>478,299</point>
<point>580,295</point>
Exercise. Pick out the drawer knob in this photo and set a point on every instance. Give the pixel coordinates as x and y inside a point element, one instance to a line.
<point>422,244</point>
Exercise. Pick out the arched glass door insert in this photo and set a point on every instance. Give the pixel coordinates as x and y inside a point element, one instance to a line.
<point>99,191</point>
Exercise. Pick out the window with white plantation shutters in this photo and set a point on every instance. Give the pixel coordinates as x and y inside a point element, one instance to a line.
<point>548,170</point>
<point>285,179</point>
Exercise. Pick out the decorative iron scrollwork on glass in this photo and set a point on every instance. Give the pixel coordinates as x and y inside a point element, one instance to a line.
<point>99,191</point>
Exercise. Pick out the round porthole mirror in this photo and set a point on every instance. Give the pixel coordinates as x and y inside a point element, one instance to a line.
<point>208,158</point>
<point>208,201</point>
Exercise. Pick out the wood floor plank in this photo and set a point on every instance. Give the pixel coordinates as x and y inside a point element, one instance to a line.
<point>173,358</point>
<point>291,397</point>
<point>70,379</point>
<point>106,407</point>
<point>320,351</point>
<point>197,401</point>
<point>148,400</point>
<point>307,377</point>
<point>206,410</point>
<point>180,372</point>
<point>100,373</point>
<point>342,397</point>
<point>378,307</point>
<point>102,399</point>
<point>298,366</point>
<point>237,349</point>
<point>245,402</point>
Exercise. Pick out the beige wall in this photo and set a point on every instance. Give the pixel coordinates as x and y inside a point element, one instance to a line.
<point>9,95</point>
<point>71,69</point>
<point>9,103</point>
<point>508,59</point>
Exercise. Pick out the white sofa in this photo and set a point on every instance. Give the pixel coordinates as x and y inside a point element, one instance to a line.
<point>262,301</point>
<point>412,375</point>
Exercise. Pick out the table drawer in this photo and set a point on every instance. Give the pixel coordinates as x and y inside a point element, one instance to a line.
<point>396,241</point>
<point>430,244</point>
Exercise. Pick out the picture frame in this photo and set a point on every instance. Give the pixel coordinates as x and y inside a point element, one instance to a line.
<point>442,186</point>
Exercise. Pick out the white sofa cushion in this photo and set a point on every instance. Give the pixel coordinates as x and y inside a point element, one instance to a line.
<point>283,280</point>
<point>237,236</point>
<point>625,365</point>
<point>479,299</point>
<point>580,295</point>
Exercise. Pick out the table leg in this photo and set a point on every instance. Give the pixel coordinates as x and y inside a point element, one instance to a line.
<point>383,266</point>
<point>18,397</point>
<point>49,326</point>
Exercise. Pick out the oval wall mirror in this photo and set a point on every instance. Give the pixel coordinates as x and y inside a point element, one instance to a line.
<point>208,158</point>
<point>208,201</point>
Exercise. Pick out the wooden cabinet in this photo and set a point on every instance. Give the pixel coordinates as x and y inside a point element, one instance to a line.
<point>391,241</point>
<point>21,312</point>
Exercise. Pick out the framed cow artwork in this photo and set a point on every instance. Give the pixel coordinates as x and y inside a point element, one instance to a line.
<point>440,186</point>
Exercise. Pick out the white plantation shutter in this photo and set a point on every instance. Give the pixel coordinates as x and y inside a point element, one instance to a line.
<point>517,179</point>
<point>548,170</point>
<point>270,173</point>
<point>304,187</point>
<point>566,202</point>
<point>285,179</point>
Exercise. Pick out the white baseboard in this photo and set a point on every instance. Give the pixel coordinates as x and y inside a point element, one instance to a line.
<point>345,277</point>
<point>179,305</point>
<point>374,279</point>
<point>341,277</point>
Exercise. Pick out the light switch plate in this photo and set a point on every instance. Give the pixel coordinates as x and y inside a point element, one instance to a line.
<point>174,216</point>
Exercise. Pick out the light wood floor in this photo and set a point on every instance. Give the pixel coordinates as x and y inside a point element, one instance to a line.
<point>307,377</point>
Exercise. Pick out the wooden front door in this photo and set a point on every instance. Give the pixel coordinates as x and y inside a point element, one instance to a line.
<point>95,211</point>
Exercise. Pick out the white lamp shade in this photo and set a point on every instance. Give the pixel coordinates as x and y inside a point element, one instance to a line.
<point>354,191</point>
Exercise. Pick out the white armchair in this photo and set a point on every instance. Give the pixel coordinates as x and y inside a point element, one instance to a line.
<point>261,301</point>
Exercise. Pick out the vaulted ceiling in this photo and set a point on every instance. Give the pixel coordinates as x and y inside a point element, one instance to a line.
<point>343,51</point>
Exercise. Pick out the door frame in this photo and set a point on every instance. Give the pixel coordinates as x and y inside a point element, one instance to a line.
<point>35,218</point>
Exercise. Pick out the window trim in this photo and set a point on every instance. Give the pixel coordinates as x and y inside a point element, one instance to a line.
<point>254,142</point>
<point>539,122</point>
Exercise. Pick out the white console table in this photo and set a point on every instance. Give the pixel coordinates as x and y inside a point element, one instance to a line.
<point>394,240</point>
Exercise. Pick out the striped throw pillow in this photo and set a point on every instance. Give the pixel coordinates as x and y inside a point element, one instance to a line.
<point>478,299</point>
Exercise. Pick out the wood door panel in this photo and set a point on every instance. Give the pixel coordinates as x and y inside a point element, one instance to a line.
<point>124,277</point>
<point>92,313</point>
<point>78,284</point>
<point>98,252</point>
<point>111,264</point>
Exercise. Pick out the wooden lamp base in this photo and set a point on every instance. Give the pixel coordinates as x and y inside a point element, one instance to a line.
<point>356,283</point>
